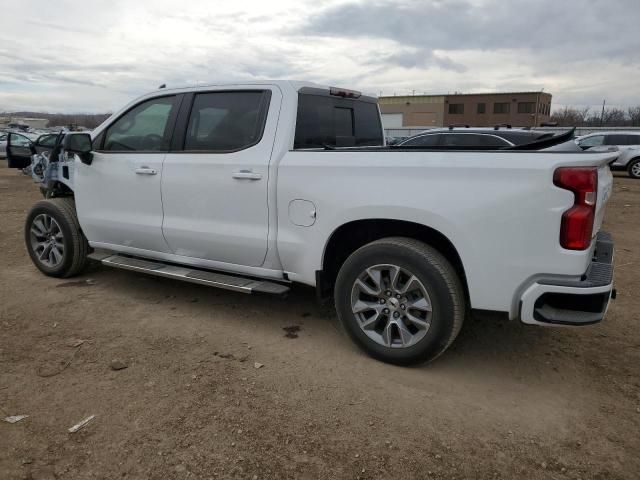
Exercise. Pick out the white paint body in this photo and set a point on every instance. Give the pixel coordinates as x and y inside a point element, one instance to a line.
<point>499,209</point>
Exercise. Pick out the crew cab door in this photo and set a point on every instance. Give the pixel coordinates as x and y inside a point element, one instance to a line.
<point>215,179</point>
<point>118,194</point>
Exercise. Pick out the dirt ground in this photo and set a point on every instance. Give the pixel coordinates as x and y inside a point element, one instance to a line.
<point>506,401</point>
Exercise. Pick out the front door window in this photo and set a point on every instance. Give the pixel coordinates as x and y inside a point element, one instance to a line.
<point>141,129</point>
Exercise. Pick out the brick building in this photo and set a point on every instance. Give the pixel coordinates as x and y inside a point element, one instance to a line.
<point>522,109</point>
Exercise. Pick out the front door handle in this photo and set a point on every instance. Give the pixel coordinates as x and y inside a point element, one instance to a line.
<point>247,175</point>
<point>145,171</point>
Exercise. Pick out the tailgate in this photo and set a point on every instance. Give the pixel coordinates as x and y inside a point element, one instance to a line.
<point>605,187</point>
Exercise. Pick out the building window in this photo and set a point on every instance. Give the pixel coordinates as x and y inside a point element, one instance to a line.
<point>527,107</point>
<point>501,107</point>
<point>456,108</point>
<point>482,108</point>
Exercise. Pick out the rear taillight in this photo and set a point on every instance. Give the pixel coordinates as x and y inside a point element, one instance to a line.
<point>577,222</point>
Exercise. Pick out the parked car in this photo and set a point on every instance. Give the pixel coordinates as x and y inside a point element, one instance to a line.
<point>628,144</point>
<point>496,137</point>
<point>3,144</point>
<point>182,184</point>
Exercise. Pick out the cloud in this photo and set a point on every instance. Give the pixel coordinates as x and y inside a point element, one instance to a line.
<point>73,55</point>
<point>419,58</point>
<point>585,28</point>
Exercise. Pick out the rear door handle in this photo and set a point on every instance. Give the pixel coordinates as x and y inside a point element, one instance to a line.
<point>247,175</point>
<point>145,171</point>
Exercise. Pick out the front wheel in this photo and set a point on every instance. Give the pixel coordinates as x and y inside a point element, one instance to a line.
<point>54,240</point>
<point>400,300</point>
<point>634,168</point>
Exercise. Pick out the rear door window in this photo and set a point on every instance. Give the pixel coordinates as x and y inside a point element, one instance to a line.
<point>480,140</point>
<point>326,120</point>
<point>618,139</point>
<point>491,141</point>
<point>430,140</point>
<point>453,140</point>
<point>594,141</point>
<point>18,140</point>
<point>47,140</point>
<point>226,121</point>
<point>471,140</point>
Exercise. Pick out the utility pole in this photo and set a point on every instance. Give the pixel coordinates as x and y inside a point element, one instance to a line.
<point>602,115</point>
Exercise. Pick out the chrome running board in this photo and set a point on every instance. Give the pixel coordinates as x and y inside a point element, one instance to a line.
<point>202,277</point>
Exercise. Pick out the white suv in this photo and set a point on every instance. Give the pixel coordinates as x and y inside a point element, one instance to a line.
<point>627,142</point>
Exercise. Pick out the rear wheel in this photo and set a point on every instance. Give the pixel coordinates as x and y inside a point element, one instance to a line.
<point>400,300</point>
<point>54,240</point>
<point>634,168</point>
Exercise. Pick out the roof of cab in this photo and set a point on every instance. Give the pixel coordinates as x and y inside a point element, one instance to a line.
<point>295,84</point>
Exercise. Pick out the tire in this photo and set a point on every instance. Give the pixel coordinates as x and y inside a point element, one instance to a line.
<point>61,235</point>
<point>424,279</point>
<point>633,169</point>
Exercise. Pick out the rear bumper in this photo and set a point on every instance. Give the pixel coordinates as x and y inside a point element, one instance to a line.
<point>573,301</point>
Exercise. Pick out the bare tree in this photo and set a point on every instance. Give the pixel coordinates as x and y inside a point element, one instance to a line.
<point>634,116</point>
<point>583,115</point>
<point>615,117</point>
<point>570,117</point>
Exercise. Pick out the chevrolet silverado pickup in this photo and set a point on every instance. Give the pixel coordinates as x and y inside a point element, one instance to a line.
<point>251,187</point>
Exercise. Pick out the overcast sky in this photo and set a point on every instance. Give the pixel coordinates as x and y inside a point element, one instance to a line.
<point>96,55</point>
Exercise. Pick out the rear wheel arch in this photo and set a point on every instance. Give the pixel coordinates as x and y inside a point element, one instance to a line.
<point>353,235</point>
<point>400,300</point>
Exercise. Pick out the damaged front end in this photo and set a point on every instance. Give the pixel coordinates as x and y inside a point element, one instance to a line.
<point>53,170</point>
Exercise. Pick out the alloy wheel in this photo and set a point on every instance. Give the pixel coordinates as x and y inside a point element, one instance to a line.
<point>391,305</point>
<point>47,240</point>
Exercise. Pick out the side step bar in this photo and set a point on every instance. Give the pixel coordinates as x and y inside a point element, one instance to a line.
<point>202,277</point>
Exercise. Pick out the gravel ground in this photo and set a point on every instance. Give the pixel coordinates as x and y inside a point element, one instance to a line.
<point>169,371</point>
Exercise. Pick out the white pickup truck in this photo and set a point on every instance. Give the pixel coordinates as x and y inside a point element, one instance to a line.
<point>254,186</point>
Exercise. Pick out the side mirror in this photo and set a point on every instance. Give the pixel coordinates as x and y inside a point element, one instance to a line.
<point>80,144</point>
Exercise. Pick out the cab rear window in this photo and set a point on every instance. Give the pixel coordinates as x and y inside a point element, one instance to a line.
<point>337,122</point>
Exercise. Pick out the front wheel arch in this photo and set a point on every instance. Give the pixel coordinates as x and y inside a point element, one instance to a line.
<point>67,236</point>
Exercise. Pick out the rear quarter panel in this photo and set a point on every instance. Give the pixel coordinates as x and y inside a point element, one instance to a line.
<point>500,210</point>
